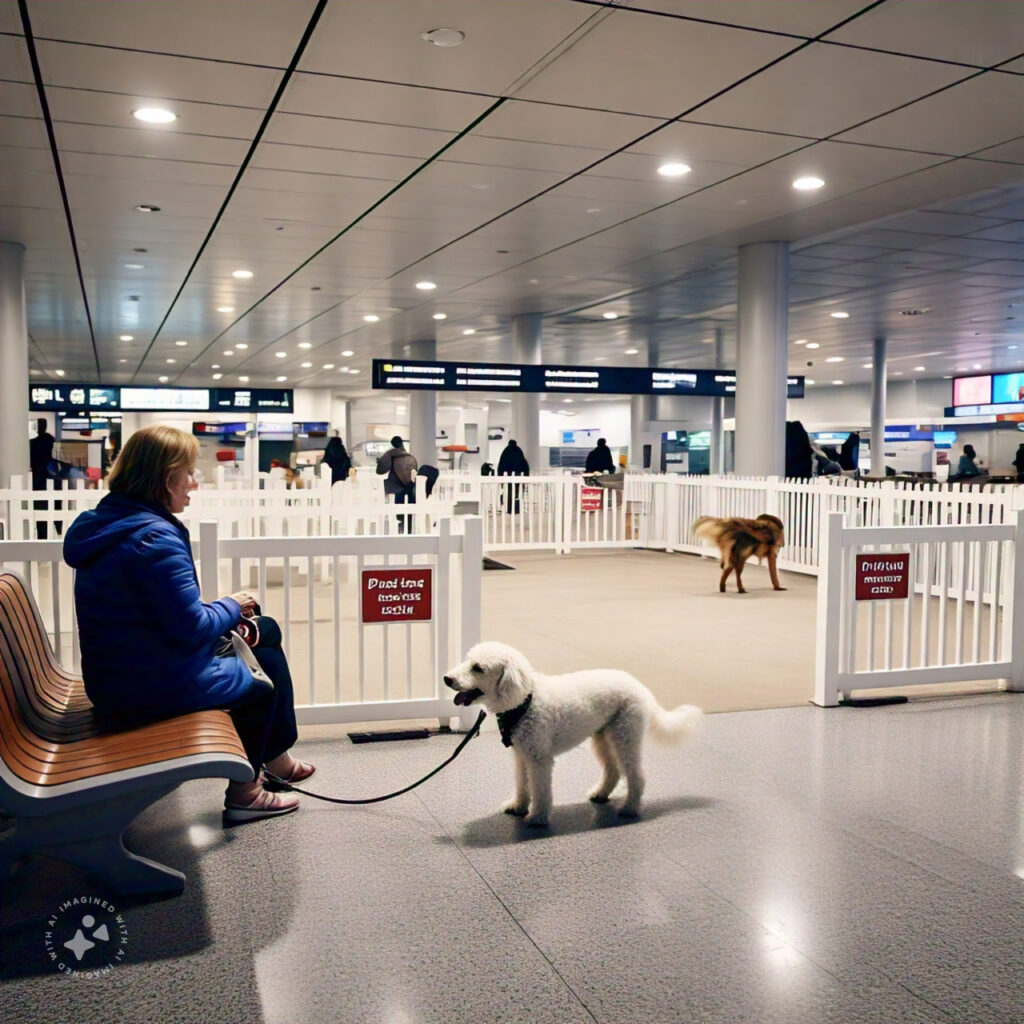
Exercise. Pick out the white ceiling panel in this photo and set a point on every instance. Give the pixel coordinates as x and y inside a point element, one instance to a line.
<point>339,163</point>
<point>981,32</point>
<point>18,99</point>
<point>687,141</point>
<point>14,59</point>
<point>1012,151</point>
<point>663,66</point>
<point>247,31</point>
<point>356,136</point>
<point>977,114</point>
<point>138,142</point>
<point>369,39</point>
<point>564,126</point>
<point>539,156</point>
<point>854,85</point>
<point>800,17</point>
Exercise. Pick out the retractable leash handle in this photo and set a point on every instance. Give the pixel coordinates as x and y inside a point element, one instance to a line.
<point>377,799</point>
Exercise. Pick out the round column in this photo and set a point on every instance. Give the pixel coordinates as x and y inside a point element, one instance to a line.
<point>761,359</point>
<point>878,377</point>
<point>13,365</point>
<point>423,410</point>
<point>717,453</point>
<point>526,408</point>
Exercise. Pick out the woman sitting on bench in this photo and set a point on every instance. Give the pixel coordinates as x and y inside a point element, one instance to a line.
<point>149,642</point>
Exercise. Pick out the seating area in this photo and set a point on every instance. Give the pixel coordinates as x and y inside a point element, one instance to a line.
<point>70,784</point>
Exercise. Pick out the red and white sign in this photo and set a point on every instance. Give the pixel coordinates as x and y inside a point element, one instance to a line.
<point>397,595</point>
<point>591,499</point>
<point>883,577</point>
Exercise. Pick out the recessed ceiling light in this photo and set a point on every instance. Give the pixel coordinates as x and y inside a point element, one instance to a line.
<point>280,380</point>
<point>808,381</point>
<point>426,286</point>
<point>127,337</point>
<point>353,371</point>
<point>119,360</point>
<point>371,318</point>
<point>328,366</point>
<point>244,379</point>
<point>834,359</point>
<point>808,183</point>
<point>281,355</point>
<point>800,341</point>
<point>977,366</point>
<point>147,208</point>
<point>241,344</point>
<point>610,315</point>
<point>60,373</point>
<point>1011,347</point>
<point>837,382</point>
<point>868,366</point>
<point>305,344</point>
<point>440,316</point>
<point>348,352</point>
<point>472,330</point>
<point>919,369</point>
<point>181,344</point>
<point>217,376</point>
<point>839,315</point>
<point>155,115</point>
<point>242,275</point>
<point>632,351</point>
<point>215,366</point>
<point>225,309</point>
<point>813,344</point>
<point>307,366</point>
<point>229,351</point>
<point>674,169</point>
<point>171,360</point>
<point>134,266</point>
<point>444,37</point>
<point>568,401</point>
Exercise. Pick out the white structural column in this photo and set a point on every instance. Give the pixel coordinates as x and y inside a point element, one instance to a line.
<point>526,408</point>
<point>423,411</point>
<point>761,359</point>
<point>878,408</point>
<point>717,453</point>
<point>13,364</point>
<point>643,411</point>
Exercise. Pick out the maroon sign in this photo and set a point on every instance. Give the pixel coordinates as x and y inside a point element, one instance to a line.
<point>883,577</point>
<point>397,595</point>
<point>591,499</point>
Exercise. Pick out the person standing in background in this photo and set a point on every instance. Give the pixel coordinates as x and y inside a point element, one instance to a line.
<point>40,452</point>
<point>967,467</point>
<point>337,458</point>
<point>398,467</point>
<point>512,463</point>
<point>599,460</point>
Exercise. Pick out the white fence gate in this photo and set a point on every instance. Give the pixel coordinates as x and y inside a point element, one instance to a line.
<point>962,618</point>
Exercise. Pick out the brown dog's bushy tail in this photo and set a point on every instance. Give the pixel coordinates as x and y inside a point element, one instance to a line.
<point>676,725</point>
<point>708,528</point>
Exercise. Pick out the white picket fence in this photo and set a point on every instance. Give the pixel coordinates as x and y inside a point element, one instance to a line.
<point>962,618</point>
<point>344,670</point>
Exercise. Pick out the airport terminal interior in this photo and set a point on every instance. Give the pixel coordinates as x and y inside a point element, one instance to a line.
<point>702,261</point>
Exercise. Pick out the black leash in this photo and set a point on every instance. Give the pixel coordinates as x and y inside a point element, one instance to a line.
<point>377,799</point>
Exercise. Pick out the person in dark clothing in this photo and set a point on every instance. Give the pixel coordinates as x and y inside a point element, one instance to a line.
<point>430,475</point>
<point>337,459</point>
<point>1018,463</point>
<point>849,454</point>
<point>149,641</point>
<point>512,463</point>
<point>798,450</point>
<point>600,459</point>
<point>40,452</point>
<point>398,467</point>
<point>967,467</point>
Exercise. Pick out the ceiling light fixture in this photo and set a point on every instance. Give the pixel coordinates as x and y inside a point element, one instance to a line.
<point>809,382</point>
<point>426,286</point>
<point>245,380</point>
<point>242,275</point>
<point>147,208</point>
<point>134,266</point>
<point>837,382</point>
<point>305,344</point>
<point>813,344</point>
<point>181,344</point>
<point>155,115</point>
<point>348,352</point>
<point>674,169</point>
<point>444,37</point>
<point>281,355</point>
<point>163,380</point>
<point>215,366</point>
<point>610,315</point>
<point>241,344</point>
<point>371,318</point>
<point>353,371</point>
<point>472,330</point>
<point>127,337</point>
<point>217,376</point>
<point>800,341</point>
<point>170,360</point>
<point>919,369</point>
<point>632,351</point>
<point>839,315</point>
<point>60,373</point>
<point>307,366</point>
<point>868,366</point>
<point>328,366</point>
<point>440,316</point>
<point>834,359</point>
<point>225,309</point>
<point>810,183</point>
<point>280,380</point>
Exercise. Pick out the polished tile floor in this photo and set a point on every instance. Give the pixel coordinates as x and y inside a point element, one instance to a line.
<point>797,865</point>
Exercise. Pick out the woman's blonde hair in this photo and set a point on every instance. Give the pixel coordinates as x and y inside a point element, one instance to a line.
<point>149,457</point>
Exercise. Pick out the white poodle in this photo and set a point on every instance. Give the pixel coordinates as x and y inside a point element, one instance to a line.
<point>542,716</point>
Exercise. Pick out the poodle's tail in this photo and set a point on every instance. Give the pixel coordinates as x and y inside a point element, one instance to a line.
<point>673,726</point>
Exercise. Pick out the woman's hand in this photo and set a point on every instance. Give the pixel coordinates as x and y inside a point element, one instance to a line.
<point>246,600</point>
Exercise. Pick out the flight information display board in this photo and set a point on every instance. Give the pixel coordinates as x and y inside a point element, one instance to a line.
<point>506,378</point>
<point>85,397</point>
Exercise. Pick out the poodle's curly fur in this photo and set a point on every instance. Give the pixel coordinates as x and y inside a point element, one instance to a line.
<point>608,705</point>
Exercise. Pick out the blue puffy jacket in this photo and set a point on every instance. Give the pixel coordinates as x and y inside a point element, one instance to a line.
<point>147,636</point>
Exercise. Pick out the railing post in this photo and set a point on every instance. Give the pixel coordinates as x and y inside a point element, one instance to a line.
<point>887,503</point>
<point>771,495</point>
<point>829,619</point>
<point>562,513</point>
<point>209,581</point>
<point>470,592</point>
<point>1015,636</point>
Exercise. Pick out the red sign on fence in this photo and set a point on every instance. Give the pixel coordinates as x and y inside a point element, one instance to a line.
<point>397,595</point>
<point>591,499</point>
<point>883,577</point>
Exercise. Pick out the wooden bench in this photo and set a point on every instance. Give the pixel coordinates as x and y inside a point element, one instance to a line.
<point>70,784</point>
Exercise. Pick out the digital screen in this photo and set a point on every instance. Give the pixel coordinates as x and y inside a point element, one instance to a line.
<point>275,431</point>
<point>311,429</point>
<point>944,438</point>
<point>165,399</point>
<point>973,390</point>
<point>266,399</point>
<point>83,397</point>
<point>61,397</point>
<point>414,375</point>
<point>1006,387</point>
<point>104,398</point>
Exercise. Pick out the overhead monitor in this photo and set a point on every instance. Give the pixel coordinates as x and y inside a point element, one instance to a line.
<point>1006,387</point>
<point>972,390</point>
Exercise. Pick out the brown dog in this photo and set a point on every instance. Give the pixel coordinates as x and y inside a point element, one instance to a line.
<point>740,539</point>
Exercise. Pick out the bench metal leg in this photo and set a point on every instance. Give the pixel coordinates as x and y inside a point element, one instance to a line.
<point>92,837</point>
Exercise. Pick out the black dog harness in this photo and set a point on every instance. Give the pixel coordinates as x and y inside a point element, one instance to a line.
<point>508,720</point>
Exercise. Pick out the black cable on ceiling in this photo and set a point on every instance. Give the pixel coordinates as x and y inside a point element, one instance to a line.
<point>37,74</point>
